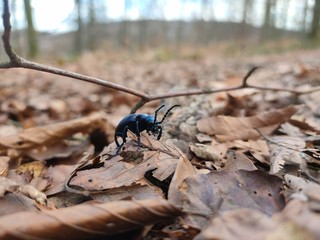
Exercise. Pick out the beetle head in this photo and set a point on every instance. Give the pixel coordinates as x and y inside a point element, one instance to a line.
<point>155,129</point>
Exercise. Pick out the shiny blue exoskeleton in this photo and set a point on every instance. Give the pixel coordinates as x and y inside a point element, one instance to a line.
<point>137,123</point>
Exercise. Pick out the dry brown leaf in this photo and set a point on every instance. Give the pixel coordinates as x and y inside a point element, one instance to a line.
<point>299,188</point>
<point>155,145</point>
<point>304,126</point>
<point>184,170</point>
<point>220,148</point>
<point>32,173</point>
<point>57,151</point>
<point>244,128</point>
<point>304,223</point>
<point>285,150</point>
<point>290,130</point>
<point>238,224</point>
<point>207,152</point>
<point>258,148</point>
<point>39,136</point>
<point>36,169</point>
<point>60,170</point>
<point>294,222</point>
<point>117,172</point>
<point>8,185</point>
<point>87,221</point>
<point>33,193</point>
<point>241,189</point>
<point>4,165</point>
<point>180,231</point>
<point>237,160</point>
<point>16,202</point>
<point>137,192</point>
<point>203,138</point>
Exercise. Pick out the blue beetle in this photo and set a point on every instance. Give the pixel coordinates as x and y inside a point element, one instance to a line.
<point>137,123</point>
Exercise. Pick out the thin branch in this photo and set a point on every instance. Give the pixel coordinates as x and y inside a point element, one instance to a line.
<point>7,32</point>
<point>274,89</point>
<point>44,68</point>
<point>15,61</point>
<point>23,63</point>
<point>246,77</point>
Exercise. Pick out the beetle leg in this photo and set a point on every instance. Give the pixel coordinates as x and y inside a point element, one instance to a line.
<point>123,136</point>
<point>160,133</point>
<point>138,133</point>
<point>119,148</point>
<point>116,135</point>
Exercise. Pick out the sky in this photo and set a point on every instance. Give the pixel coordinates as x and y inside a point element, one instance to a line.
<point>58,15</point>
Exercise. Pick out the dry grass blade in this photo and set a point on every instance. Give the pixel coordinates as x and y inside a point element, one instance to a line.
<point>88,221</point>
<point>39,136</point>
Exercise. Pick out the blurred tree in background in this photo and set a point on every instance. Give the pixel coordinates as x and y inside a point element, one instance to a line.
<point>148,24</point>
<point>315,20</point>
<point>31,32</point>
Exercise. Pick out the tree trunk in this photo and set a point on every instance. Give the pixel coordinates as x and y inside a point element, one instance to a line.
<point>284,13</point>
<point>304,18</point>
<point>268,20</point>
<point>315,20</point>
<point>92,39</point>
<point>247,7</point>
<point>79,34</point>
<point>32,34</point>
<point>123,27</point>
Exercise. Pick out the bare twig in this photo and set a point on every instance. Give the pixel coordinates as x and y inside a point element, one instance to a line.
<point>15,61</point>
<point>246,77</point>
<point>7,32</point>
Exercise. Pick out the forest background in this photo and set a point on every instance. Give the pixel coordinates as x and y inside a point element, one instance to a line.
<point>169,28</point>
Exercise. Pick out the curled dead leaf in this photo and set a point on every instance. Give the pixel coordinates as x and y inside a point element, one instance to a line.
<point>231,128</point>
<point>39,136</point>
<point>87,221</point>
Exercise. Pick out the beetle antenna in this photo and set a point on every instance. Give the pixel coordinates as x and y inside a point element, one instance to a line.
<point>155,114</point>
<point>165,115</point>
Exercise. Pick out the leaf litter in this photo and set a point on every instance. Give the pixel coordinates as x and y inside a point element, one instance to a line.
<point>237,165</point>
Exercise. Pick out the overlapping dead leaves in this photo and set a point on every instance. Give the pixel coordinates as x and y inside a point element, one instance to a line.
<point>242,170</point>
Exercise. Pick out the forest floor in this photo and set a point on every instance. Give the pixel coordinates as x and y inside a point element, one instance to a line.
<point>232,165</point>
